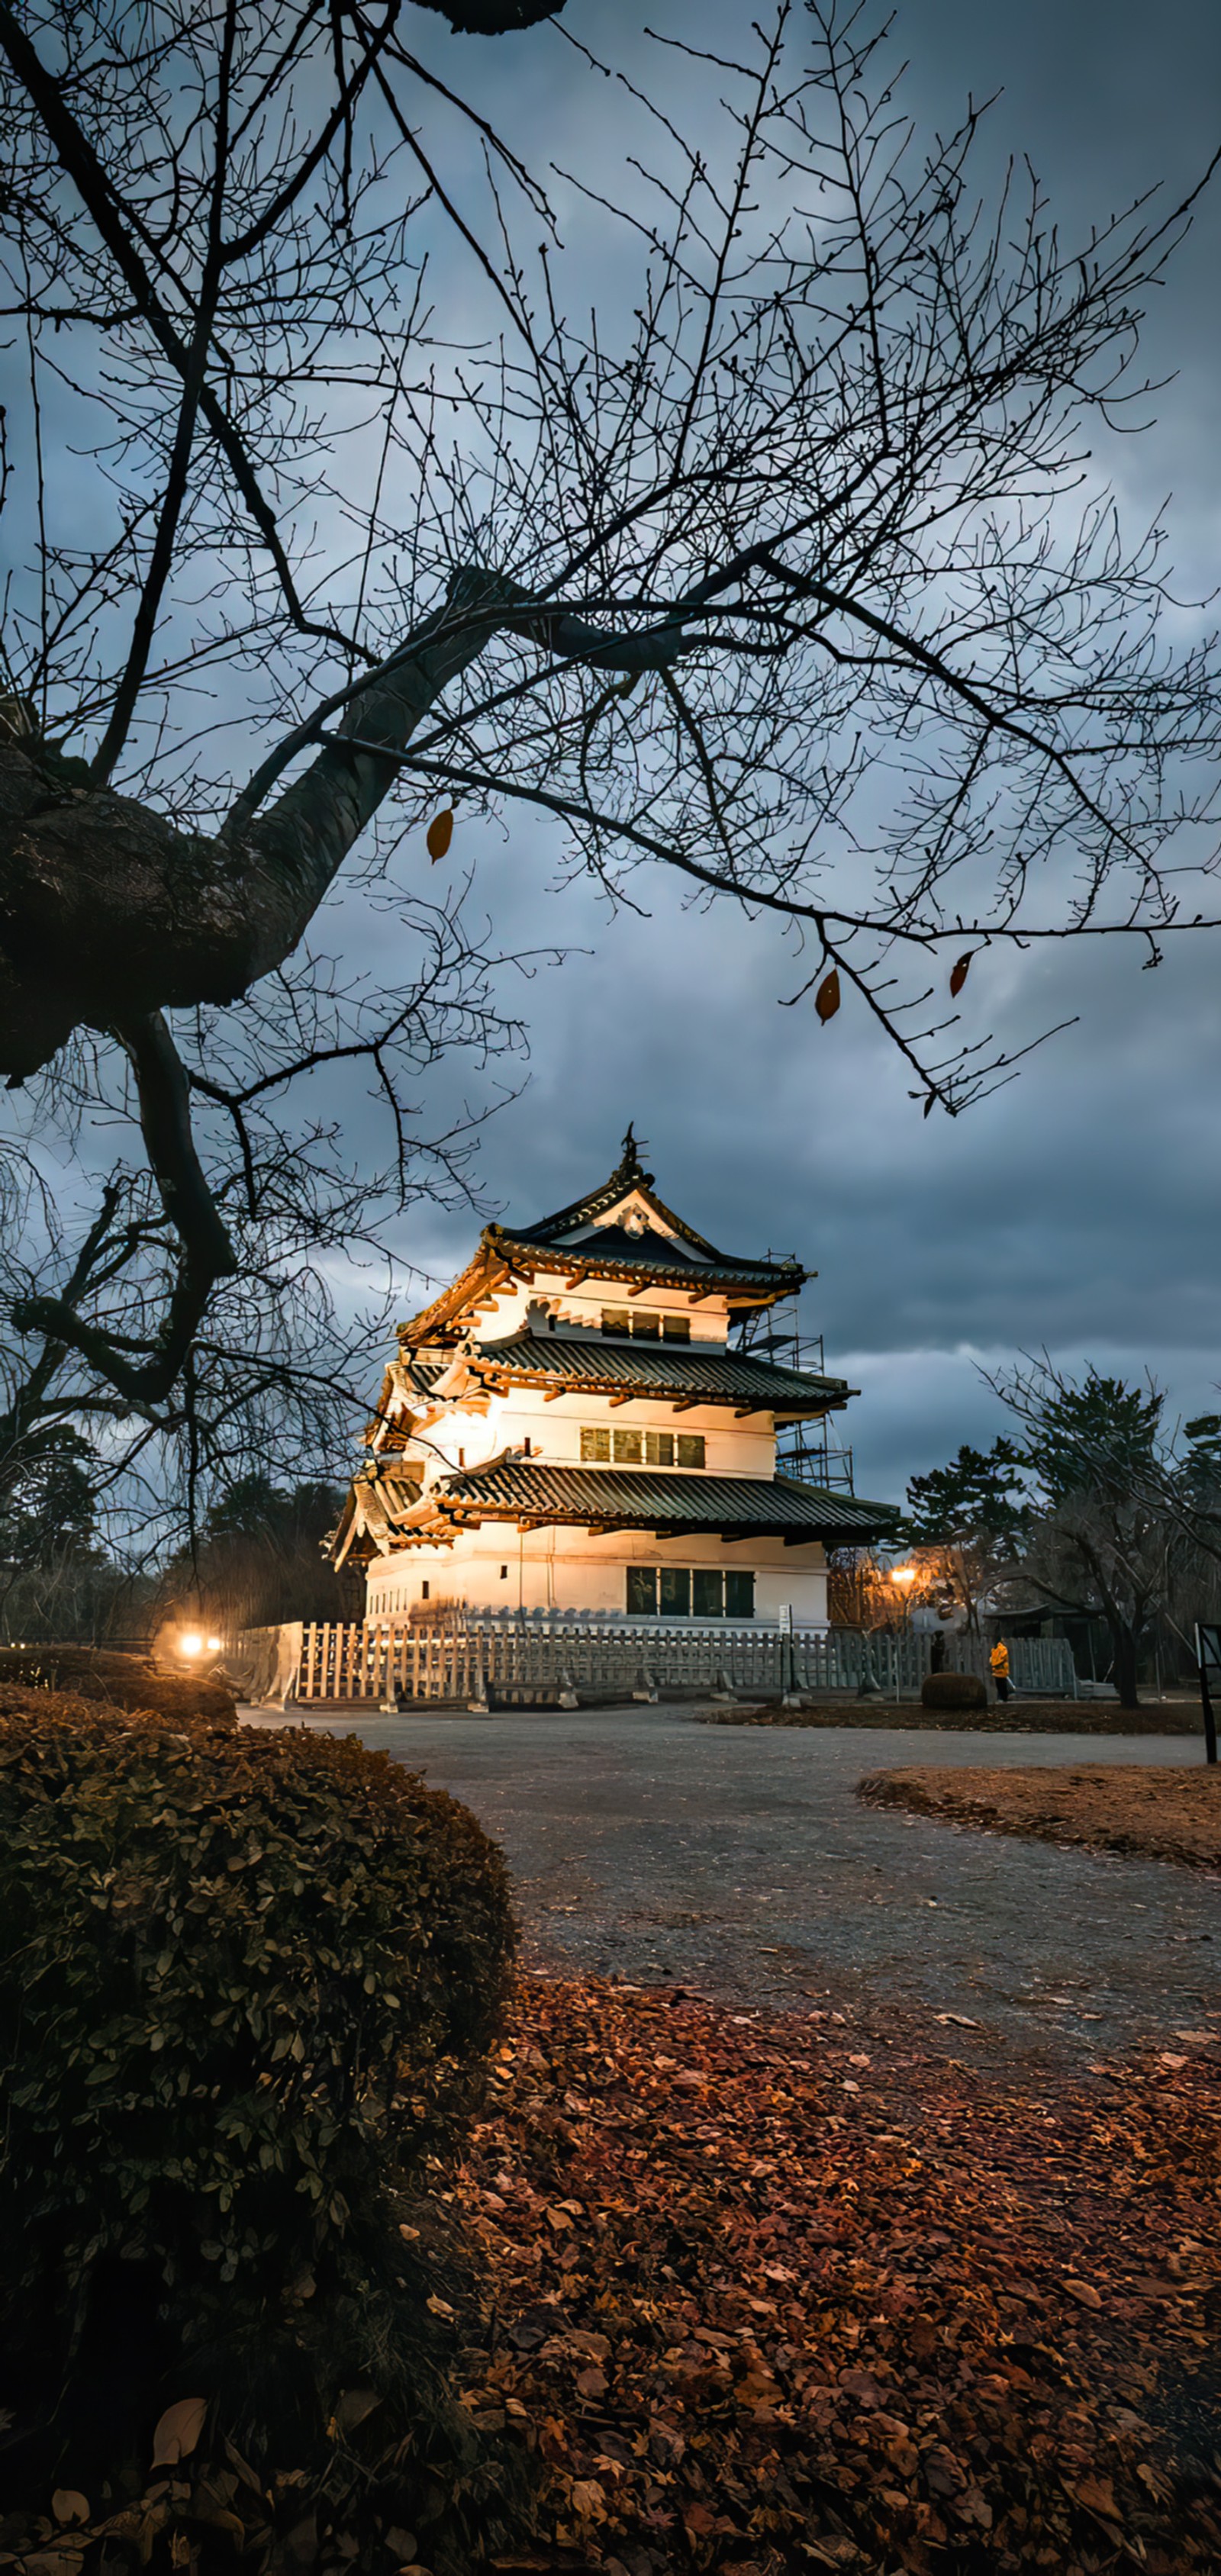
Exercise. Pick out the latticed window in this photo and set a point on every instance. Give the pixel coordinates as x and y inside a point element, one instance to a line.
<point>643,1325</point>
<point>641,1448</point>
<point>682,1592</point>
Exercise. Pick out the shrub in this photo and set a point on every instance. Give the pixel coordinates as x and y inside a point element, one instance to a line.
<point>246,1980</point>
<point>953,1690</point>
<point>119,1681</point>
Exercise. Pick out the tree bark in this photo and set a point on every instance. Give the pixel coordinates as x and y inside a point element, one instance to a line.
<point>493,17</point>
<point>1125,1649</point>
<point>107,914</point>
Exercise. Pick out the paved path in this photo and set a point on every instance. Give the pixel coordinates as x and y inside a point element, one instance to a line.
<point>739,1862</point>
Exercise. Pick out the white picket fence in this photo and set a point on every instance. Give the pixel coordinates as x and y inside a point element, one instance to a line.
<point>470,1660</point>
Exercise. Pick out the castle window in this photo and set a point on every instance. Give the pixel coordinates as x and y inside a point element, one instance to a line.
<point>423,1592</point>
<point>641,1448</point>
<point>681,1592</point>
<point>645,1324</point>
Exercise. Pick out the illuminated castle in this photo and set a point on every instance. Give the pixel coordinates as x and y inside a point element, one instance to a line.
<point>569,1427</point>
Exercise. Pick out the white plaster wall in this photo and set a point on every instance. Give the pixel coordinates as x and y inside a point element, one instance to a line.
<point>580,1309</point>
<point>732,1448</point>
<point>563,1569</point>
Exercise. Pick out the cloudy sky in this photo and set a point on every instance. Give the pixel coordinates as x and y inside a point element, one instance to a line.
<point>1077,1209</point>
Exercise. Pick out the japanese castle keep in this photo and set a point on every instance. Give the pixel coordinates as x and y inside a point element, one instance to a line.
<point>568,1427</point>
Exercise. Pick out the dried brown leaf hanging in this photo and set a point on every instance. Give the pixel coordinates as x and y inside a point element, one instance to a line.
<point>826,999</point>
<point>440,833</point>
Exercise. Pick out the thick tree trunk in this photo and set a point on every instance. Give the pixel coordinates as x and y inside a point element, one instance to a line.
<point>1124,1644</point>
<point>493,17</point>
<point>107,914</point>
<point>109,917</point>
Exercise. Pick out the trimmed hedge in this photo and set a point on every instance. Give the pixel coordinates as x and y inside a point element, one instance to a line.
<point>246,1984</point>
<point>119,1681</point>
<point>953,1690</point>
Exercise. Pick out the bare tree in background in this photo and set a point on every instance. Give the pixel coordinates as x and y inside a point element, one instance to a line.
<point>793,581</point>
<point>1126,1520</point>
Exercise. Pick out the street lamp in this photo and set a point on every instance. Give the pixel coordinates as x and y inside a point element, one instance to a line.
<point>191,1642</point>
<point>903,1577</point>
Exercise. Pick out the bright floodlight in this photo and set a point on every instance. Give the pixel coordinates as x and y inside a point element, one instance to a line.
<point>191,1644</point>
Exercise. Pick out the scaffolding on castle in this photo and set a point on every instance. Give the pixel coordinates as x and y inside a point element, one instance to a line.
<point>803,1449</point>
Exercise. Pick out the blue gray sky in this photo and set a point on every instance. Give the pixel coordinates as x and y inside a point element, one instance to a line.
<point>1077,1209</point>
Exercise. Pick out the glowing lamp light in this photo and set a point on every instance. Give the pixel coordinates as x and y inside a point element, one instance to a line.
<point>903,1574</point>
<point>214,1645</point>
<point>191,1643</point>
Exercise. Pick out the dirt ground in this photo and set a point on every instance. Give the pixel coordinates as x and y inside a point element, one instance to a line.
<point>1161,1813</point>
<point>1169,1716</point>
<point>1017,1717</point>
<point>739,1862</point>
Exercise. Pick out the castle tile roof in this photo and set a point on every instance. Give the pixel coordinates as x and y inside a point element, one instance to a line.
<point>695,1371</point>
<point>576,1242</point>
<point>674,1505</point>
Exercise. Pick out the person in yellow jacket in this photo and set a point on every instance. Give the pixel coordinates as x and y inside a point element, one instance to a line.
<point>999,1660</point>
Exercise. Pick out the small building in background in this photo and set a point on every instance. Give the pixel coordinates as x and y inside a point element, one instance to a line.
<point>573,1426</point>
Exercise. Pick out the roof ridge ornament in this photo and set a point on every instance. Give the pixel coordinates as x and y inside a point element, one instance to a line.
<point>631,1166</point>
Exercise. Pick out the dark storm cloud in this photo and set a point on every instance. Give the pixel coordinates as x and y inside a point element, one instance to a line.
<point>1077,1209</point>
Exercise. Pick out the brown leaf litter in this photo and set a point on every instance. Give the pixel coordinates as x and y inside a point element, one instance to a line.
<point>1150,1811</point>
<point>759,2304</point>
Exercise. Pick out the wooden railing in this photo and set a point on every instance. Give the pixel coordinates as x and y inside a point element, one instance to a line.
<point>476,1662</point>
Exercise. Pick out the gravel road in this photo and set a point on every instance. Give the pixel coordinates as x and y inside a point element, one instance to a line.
<point>739,1863</point>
